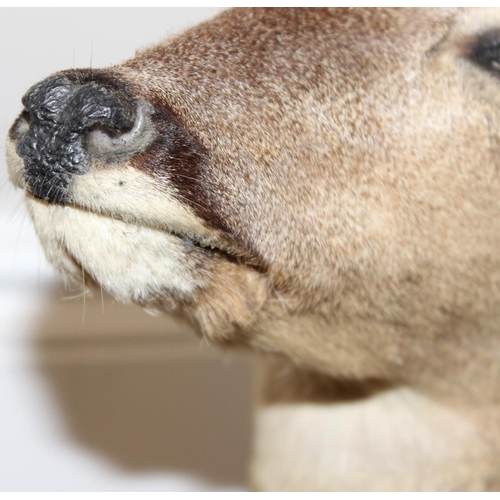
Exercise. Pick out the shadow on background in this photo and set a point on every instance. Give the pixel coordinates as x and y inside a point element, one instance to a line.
<point>143,392</point>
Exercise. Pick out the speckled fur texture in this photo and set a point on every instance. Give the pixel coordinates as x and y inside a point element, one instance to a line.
<point>324,187</point>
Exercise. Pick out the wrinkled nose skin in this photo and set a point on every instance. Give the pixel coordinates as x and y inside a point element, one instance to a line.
<point>61,112</point>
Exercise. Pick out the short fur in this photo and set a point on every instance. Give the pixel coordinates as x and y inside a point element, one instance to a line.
<point>324,187</point>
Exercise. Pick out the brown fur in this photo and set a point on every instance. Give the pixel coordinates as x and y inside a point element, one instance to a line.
<point>344,165</point>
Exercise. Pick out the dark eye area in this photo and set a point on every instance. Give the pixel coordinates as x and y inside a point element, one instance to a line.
<point>486,51</point>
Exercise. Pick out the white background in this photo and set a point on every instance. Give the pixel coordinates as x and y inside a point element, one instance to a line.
<point>95,395</point>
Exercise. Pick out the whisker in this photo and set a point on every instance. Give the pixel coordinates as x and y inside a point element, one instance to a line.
<point>84,295</point>
<point>5,181</point>
<point>40,257</point>
<point>102,299</point>
<point>16,246</point>
<point>91,54</point>
<point>75,297</point>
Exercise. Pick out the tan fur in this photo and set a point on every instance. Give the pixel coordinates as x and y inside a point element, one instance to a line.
<point>347,216</point>
<point>115,192</point>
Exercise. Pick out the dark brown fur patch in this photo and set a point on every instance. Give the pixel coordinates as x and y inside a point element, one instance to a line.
<point>179,155</point>
<point>175,153</point>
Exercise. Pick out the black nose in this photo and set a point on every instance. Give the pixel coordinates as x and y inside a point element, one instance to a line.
<point>60,113</point>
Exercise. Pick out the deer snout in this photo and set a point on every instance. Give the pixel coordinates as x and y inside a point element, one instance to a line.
<point>65,126</point>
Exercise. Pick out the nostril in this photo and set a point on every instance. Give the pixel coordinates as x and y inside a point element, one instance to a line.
<point>15,165</point>
<point>111,143</point>
<point>53,132</point>
<point>20,126</point>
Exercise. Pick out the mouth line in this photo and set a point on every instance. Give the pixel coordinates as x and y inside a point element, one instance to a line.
<point>213,245</point>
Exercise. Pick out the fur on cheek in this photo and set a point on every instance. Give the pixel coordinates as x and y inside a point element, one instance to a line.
<point>152,268</point>
<point>226,310</point>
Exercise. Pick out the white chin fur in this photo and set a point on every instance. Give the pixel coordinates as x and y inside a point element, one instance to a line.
<point>128,194</point>
<point>131,262</point>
